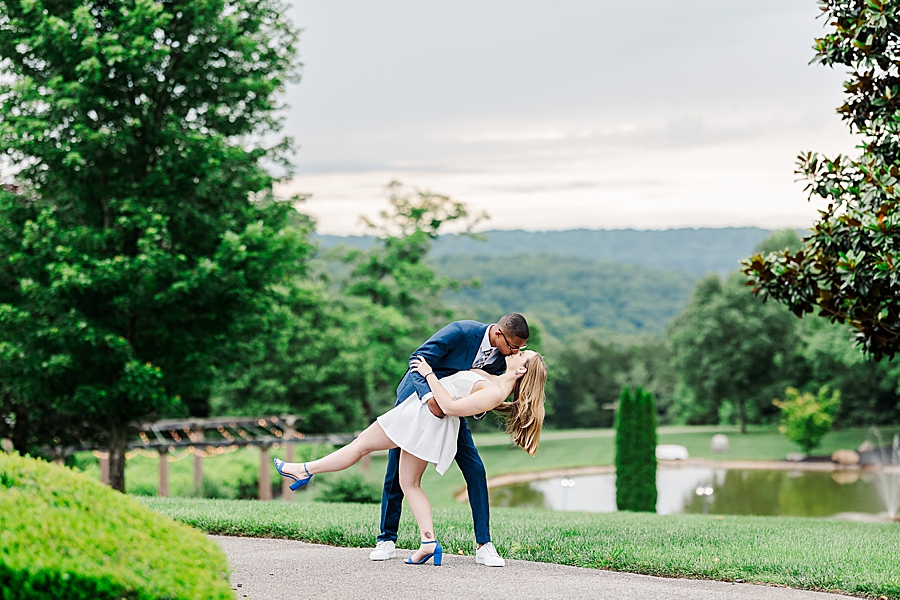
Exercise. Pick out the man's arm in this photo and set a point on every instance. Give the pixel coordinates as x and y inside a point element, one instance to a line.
<point>436,348</point>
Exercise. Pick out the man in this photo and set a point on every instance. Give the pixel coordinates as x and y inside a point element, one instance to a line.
<point>459,346</point>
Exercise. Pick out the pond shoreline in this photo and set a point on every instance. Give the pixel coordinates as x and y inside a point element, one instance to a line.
<point>498,481</point>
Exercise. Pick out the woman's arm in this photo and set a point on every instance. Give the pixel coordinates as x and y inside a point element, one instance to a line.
<point>476,403</point>
<point>485,399</point>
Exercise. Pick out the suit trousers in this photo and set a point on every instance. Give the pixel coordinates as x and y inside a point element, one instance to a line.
<point>472,468</point>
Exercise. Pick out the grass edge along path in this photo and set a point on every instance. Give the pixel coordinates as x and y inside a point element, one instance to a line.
<point>813,554</point>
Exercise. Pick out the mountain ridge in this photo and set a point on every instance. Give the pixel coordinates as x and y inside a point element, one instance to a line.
<point>694,251</point>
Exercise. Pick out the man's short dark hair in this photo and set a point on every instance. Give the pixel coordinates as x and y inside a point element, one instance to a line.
<point>515,324</point>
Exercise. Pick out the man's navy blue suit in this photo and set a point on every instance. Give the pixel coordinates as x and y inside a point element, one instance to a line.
<point>450,350</point>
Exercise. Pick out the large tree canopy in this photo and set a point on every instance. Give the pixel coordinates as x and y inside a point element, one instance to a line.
<point>392,296</point>
<point>730,347</point>
<point>138,232</point>
<point>848,267</point>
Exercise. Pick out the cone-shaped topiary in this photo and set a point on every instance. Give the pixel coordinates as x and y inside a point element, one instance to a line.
<point>636,451</point>
<point>64,536</point>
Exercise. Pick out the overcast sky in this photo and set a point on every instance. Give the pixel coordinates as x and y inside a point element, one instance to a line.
<point>565,114</point>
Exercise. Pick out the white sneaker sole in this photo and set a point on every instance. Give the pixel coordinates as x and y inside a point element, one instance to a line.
<point>382,555</point>
<point>481,561</point>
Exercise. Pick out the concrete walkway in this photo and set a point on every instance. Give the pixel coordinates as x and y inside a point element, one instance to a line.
<point>266,569</point>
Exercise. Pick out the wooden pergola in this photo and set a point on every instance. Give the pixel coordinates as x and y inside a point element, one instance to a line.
<point>210,437</point>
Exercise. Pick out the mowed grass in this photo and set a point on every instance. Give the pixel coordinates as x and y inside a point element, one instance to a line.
<point>853,558</point>
<point>589,447</point>
<point>231,475</point>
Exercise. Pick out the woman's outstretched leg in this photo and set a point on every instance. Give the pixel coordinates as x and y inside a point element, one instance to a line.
<point>370,440</point>
<point>411,469</point>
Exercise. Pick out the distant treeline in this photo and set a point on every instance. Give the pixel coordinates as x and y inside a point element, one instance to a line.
<point>693,251</point>
<point>622,308</point>
<point>606,282</point>
<point>567,296</point>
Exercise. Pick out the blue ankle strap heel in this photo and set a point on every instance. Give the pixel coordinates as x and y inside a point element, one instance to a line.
<point>438,555</point>
<point>298,483</point>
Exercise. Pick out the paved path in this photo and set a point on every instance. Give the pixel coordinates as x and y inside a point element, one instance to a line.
<point>266,569</point>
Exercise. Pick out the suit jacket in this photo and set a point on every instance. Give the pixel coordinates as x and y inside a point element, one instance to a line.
<point>450,350</point>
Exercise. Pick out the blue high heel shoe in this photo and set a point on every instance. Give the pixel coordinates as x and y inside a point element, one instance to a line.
<point>298,483</point>
<point>438,555</point>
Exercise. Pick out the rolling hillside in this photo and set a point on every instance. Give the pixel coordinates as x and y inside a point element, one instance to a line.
<point>694,251</point>
<point>624,282</point>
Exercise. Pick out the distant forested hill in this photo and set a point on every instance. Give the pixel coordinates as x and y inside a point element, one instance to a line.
<point>569,295</point>
<point>623,281</point>
<point>694,251</point>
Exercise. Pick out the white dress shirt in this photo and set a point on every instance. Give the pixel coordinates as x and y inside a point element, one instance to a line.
<point>485,354</point>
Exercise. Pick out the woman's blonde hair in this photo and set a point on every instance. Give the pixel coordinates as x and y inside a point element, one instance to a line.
<point>525,414</point>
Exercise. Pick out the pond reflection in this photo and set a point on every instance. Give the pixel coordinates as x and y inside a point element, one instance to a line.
<point>734,492</point>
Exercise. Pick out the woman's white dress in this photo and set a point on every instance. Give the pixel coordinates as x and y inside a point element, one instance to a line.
<point>413,428</point>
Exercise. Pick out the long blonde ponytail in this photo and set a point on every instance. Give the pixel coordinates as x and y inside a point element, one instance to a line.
<point>525,414</point>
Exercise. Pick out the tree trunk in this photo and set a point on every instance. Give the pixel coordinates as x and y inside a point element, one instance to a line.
<point>742,413</point>
<point>117,441</point>
<point>20,433</point>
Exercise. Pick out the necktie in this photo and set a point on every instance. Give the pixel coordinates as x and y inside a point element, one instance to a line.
<point>483,358</point>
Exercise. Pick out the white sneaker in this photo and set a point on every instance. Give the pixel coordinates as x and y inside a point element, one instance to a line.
<point>488,556</point>
<point>383,551</point>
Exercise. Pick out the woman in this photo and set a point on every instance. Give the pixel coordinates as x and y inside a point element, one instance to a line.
<point>424,438</point>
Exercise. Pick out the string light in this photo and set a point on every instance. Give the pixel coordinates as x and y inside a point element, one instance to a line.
<point>174,456</point>
<point>225,433</point>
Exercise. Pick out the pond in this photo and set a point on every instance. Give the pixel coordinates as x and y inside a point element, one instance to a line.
<point>726,492</point>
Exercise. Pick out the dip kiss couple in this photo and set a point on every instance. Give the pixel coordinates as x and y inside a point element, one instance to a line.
<point>465,369</point>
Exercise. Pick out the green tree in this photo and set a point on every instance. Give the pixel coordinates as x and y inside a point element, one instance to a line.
<point>779,241</point>
<point>728,346</point>
<point>392,298</point>
<point>333,347</point>
<point>394,272</point>
<point>636,451</point>
<point>847,268</point>
<point>869,389</point>
<point>292,359</point>
<point>588,379</point>
<point>139,233</point>
<point>806,418</point>
<point>573,296</point>
<point>590,383</point>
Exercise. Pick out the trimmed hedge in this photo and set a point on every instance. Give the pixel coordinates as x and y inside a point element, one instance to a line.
<point>636,451</point>
<point>64,536</point>
<point>353,488</point>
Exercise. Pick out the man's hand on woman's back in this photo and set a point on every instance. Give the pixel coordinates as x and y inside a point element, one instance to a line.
<point>435,408</point>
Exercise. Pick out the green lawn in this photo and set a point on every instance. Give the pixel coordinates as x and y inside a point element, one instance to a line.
<point>234,475</point>
<point>854,558</point>
<point>579,448</point>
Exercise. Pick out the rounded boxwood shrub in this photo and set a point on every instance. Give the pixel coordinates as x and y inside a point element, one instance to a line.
<point>65,536</point>
<point>350,488</point>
